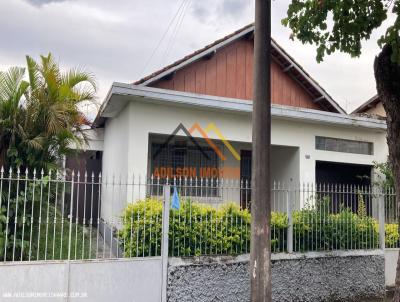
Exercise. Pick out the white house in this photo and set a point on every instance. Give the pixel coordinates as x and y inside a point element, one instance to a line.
<point>208,93</point>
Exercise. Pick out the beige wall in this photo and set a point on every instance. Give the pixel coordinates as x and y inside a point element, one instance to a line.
<point>378,110</point>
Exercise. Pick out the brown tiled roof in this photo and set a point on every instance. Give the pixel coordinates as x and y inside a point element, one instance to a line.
<point>279,55</point>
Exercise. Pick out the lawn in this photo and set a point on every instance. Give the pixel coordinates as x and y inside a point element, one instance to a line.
<point>56,237</point>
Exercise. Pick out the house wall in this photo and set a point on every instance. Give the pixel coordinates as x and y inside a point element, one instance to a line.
<point>126,142</point>
<point>284,169</point>
<point>95,141</point>
<point>285,162</point>
<point>377,109</point>
<point>116,160</point>
<point>229,73</point>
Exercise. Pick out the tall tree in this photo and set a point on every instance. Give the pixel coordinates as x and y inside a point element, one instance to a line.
<point>41,118</point>
<point>342,25</point>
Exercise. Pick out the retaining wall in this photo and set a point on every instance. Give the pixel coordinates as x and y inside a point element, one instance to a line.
<point>391,257</point>
<point>118,280</point>
<point>339,276</point>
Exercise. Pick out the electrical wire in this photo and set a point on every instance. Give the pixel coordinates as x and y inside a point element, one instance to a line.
<point>178,13</point>
<point>171,42</point>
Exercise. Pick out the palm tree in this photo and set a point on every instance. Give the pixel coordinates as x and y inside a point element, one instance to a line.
<point>45,117</point>
<point>12,89</point>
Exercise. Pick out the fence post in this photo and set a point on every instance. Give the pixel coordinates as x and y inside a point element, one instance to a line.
<point>71,207</point>
<point>164,244</point>
<point>381,215</point>
<point>289,240</point>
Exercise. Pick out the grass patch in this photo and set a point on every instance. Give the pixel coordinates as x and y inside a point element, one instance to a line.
<point>56,238</point>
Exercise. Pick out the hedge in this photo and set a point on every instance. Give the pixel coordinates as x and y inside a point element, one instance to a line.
<point>199,229</point>
<point>392,235</point>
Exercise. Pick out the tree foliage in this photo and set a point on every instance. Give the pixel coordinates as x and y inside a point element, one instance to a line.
<point>40,116</point>
<point>385,177</point>
<point>342,25</point>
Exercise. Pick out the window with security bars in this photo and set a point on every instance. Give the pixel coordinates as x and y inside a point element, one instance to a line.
<point>186,165</point>
<point>343,145</point>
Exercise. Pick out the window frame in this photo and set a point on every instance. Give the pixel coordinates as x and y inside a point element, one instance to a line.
<point>334,144</point>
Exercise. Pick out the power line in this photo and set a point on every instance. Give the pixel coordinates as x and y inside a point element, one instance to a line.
<point>177,28</point>
<point>178,12</point>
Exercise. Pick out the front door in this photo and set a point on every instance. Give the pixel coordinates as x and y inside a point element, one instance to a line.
<point>245,177</point>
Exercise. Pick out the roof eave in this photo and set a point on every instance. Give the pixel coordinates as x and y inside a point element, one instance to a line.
<point>148,94</point>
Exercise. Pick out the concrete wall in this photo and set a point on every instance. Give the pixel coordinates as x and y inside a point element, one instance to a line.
<point>345,276</point>
<point>391,257</point>
<point>95,281</point>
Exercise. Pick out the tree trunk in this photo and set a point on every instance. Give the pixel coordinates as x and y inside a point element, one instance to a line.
<point>387,75</point>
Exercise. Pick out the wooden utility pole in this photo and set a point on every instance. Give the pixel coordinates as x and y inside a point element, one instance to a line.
<point>260,252</point>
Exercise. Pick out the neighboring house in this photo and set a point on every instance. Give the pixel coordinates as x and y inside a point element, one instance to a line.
<point>209,94</point>
<point>372,107</point>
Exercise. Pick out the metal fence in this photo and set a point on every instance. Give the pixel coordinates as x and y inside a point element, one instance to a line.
<point>391,219</point>
<point>63,215</point>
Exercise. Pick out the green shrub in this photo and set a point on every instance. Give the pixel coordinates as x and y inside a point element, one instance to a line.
<point>391,235</point>
<point>198,229</point>
<point>195,229</point>
<point>142,226</point>
<point>315,231</point>
<point>279,225</point>
<point>202,229</point>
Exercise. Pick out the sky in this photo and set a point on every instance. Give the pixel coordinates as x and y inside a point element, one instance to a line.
<point>117,40</point>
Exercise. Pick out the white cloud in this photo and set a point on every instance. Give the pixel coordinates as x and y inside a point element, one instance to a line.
<point>114,39</point>
<point>40,3</point>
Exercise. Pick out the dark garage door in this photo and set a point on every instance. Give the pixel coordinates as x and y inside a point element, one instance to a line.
<point>344,184</point>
